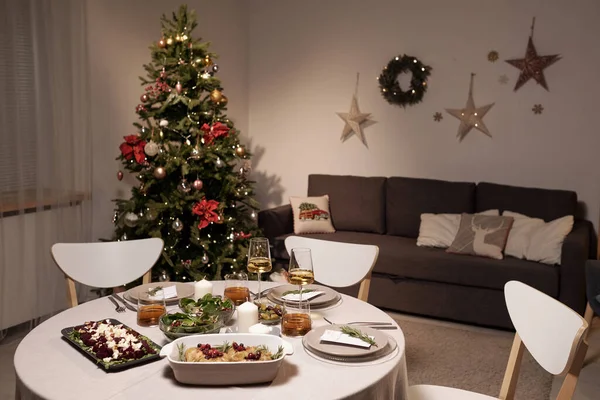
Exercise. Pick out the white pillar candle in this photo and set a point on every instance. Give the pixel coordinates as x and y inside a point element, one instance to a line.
<point>259,328</point>
<point>201,288</point>
<point>247,315</point>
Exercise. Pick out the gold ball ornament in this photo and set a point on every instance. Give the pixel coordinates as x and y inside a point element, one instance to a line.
<point>216,96</point>
<point>224,100</point>
<point>162,43</point>
<point>240,151</point>
<point>169,41</point>
<point>207,61</point>
<point>160,173</point>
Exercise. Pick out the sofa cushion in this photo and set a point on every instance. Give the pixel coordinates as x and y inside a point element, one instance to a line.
<point>408,198</point>
<point>356,203</point>
<point>311,214</point>
<point>546,204</point>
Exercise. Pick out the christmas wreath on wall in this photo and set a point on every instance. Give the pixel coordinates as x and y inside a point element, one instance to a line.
<point>390,88</point>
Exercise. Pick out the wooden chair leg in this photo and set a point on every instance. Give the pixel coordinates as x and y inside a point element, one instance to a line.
<point>568,387</point>
<point>71,293</point>
<point>588,316</point>
<point>147,277</point>
<point>363,291</point>
<point>511,376</point>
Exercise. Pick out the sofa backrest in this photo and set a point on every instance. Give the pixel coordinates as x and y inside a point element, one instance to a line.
<point>546,204</point>
<point>408,198</point>
<point>356,203</point>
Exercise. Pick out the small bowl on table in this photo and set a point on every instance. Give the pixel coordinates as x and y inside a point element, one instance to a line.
<point>269,314</point>
<point>175,324</point>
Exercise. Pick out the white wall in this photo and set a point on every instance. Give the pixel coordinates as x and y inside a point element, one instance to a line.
<point>303,60</point>
<point>119,33</point>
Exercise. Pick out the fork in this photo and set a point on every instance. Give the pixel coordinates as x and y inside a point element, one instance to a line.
<point>118,308</point>
<point>374,325</point>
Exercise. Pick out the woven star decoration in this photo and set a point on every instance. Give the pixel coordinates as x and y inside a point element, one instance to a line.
<point>532,66</point>
<point>353,120</point>
<point>470,117</point>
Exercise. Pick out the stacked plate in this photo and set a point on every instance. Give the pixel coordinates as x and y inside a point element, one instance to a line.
<point>329,297</point>
<point>183,290</point>
<point>345,353</point>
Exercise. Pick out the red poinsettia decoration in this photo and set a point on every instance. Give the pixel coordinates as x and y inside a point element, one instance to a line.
<point>133,147</point>
<point>205,209</point>
<point>241,235</point>
<point>214,132</point>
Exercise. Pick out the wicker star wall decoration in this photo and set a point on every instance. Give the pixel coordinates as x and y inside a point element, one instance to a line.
<point>532,66</point>
<point>354,119</point>
<point>470,117</point>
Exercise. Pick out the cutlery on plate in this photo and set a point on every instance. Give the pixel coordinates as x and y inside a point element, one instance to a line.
<point>261,293</point>
<point>118,308</point>
<point>372,324</point>
<point>126,304</point>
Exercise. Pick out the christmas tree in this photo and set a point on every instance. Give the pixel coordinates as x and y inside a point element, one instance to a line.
<point>194,190</point>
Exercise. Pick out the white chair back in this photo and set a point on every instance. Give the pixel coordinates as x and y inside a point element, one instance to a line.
<point>551,331</point>
<point>107,264</point>
<point>337,264</point>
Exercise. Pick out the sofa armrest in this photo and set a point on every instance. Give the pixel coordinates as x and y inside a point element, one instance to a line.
<point>575,253</point>
<point>276,221</point>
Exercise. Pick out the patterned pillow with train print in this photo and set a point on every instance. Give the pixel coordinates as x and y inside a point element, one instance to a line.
<point>481,235</point>
<point>311,215</point>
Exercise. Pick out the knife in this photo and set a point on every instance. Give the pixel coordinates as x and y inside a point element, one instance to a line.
<point>126,304</point>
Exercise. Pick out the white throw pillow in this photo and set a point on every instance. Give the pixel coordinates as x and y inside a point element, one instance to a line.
<point>536,240</point>
<point>311,215</point>
<point>439,230</point>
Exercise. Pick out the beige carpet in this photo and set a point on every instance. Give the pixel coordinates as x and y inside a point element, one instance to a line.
<point>472,359</point>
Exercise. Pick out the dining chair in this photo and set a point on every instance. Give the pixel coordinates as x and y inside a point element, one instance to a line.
<point>339,264</point>
<point>106,264</point>
<point>592,279</point>
<point>552,333</point>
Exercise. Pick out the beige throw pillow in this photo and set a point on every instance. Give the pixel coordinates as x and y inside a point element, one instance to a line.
<point>311,215</point>
<point>536,240</point>
<point>439,230</point>
<point>481,235</point>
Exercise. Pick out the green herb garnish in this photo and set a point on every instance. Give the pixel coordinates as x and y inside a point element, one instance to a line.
<point>153,291</point>
<point>353,332</point>
<point>279,353</point>
<point>181,349</point>
<point>224,347</point>
<point>297,291</point>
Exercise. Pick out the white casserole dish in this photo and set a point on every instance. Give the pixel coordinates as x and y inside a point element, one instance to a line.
<point>226,373</point>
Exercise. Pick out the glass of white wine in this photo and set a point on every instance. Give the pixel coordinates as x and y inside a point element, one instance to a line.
<point>259,259</point>
<point>300,271</point>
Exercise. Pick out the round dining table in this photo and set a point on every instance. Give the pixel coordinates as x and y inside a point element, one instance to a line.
<point>48,367</point>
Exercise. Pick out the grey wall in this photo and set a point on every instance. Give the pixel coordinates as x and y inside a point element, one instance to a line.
<point>119,34</point>
<point>303,60</point>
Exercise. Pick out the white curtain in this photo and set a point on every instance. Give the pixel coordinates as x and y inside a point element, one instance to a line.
<point>45,154</point>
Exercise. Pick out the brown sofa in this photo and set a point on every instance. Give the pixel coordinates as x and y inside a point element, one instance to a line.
<point>428,281</point>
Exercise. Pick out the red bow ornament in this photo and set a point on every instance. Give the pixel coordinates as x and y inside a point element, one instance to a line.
<point>214,132</point>
<point>133,147</point>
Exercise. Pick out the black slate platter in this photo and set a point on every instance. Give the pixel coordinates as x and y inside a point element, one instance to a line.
<point>111,367</point>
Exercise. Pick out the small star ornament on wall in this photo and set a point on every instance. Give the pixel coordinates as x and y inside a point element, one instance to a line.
<point>437,117</point>
<point>532,66</point>
<point>537,109</point>
<point>354,119</point>
<point>470,117</point>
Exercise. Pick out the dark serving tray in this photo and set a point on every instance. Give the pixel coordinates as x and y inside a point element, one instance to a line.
<point>112,367</point>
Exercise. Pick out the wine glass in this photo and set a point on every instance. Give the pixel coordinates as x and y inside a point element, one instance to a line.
<point>300,271</point>
<point>259,259</point>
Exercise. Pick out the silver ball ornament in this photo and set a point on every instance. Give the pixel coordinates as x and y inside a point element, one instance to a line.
<point>195,154</point>
<point>177,225</point>
<point>204,259</point>
<point>150,214</point>
<point>215,68</point>
<point>163,123</point>
<point>184,186</point>
<point>151,149</point>
<point>219,163</point>
<point>124,236</point>
<point>131,219</point>
<point>163,276</point>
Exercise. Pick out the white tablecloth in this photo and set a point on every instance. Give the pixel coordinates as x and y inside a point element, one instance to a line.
<point>48,367</point>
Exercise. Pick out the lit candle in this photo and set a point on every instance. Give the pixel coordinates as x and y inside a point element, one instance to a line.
<point>201,288</point>
<point>247,315</point>
<point>259,328</point>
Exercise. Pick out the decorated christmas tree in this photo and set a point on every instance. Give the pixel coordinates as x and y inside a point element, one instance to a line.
<point>193,189</point>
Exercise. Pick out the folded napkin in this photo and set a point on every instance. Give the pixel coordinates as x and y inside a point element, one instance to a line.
<point>342,338</point>
<point>305,296</point>
<point>169,293</point>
